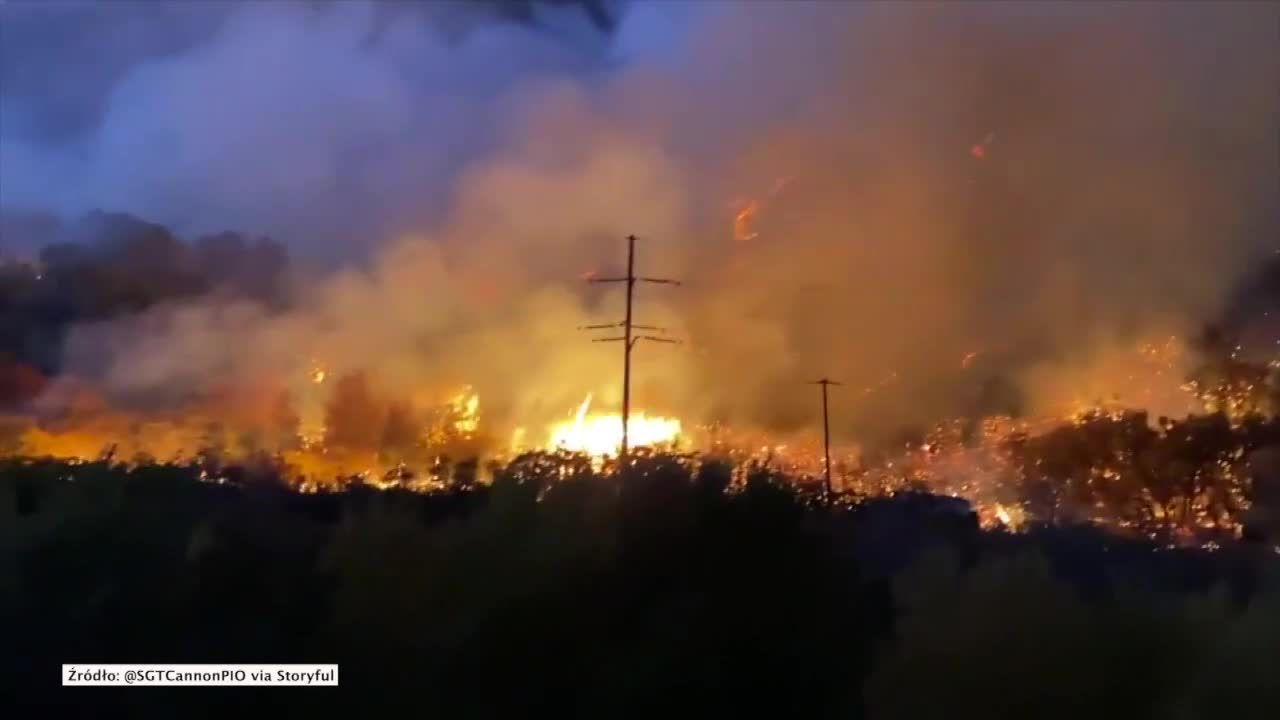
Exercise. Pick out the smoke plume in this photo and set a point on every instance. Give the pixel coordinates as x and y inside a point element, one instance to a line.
<point>921,200</point>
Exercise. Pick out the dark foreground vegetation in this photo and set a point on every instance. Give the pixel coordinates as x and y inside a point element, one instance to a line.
<point>657,592</point>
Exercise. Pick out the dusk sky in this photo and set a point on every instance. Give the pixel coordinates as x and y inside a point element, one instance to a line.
<point>194,114</point>
<point>351,120</point>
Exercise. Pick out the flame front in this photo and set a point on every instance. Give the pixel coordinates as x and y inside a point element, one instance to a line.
<point>600,434</point>
<point>1003,514</point>
<point>466,410</point>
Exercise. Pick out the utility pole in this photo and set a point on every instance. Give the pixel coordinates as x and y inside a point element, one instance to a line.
<point>628,338</point>
<point>826,433</point>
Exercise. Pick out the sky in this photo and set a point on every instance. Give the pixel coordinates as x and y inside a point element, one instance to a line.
<point>327,125</point>
<point>869,191</point>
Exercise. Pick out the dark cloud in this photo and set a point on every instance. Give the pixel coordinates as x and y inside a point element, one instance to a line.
<point>60,61</point>
<point>194,113</point>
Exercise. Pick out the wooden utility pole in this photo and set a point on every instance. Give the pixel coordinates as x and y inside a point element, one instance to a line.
<point>628,338</point>
<point>826,433</point>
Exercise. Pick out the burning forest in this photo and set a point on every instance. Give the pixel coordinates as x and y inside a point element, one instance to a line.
<point>1002,275</point>
<point>1101,458</point>
<point>292,308</point>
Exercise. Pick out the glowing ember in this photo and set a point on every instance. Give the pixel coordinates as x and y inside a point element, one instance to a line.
<point>746,211</point>
<point>744,220</point>
<point>600,434</point>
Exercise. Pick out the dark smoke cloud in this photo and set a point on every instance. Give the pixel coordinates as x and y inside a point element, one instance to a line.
<point>1037,185</point>
<point>327,124</point>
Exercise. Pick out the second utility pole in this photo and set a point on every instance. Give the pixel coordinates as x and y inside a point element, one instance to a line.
<point>826,433</point>
<point>626,355</point>
<point>628,339</point>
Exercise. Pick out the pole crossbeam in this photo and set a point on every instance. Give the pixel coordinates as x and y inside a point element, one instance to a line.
<point>628,338</point>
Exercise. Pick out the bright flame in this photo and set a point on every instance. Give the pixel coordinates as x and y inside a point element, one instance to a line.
<point>466,411</point>
<point>311,420</point>
<point>1003,515</point>
<point>318,373</point>
<point>600,434</point>
<point>1010,517</point>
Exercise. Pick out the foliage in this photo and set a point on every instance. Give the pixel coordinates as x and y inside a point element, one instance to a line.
<point>1010,640</point>
<point>661,587</point>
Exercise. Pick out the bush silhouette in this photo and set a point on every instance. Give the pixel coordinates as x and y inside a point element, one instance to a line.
<point>657,587</point>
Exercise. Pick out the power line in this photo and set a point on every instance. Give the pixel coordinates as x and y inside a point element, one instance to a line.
<point>826,432</point>
<point>628,338</point>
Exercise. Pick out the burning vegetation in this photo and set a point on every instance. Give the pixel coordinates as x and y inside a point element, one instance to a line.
<point>1153,438</point>
<point>599,435</point>
<point>1030,249</point>
<point>1005,256</point>
<point>1176,480</point>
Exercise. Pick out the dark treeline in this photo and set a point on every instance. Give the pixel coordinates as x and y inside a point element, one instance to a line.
<point>662,589</point>
<point>56,275</point>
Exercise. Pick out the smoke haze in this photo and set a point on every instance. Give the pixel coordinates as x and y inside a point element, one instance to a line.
<point>930,199</point>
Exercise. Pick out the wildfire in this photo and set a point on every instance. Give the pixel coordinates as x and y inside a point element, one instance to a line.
<point>311,423</point>
<point>1010,517</point>
<point>325,428</point>
<point>318,373</point>
<point>466,412</point>
<point>600,434</point>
